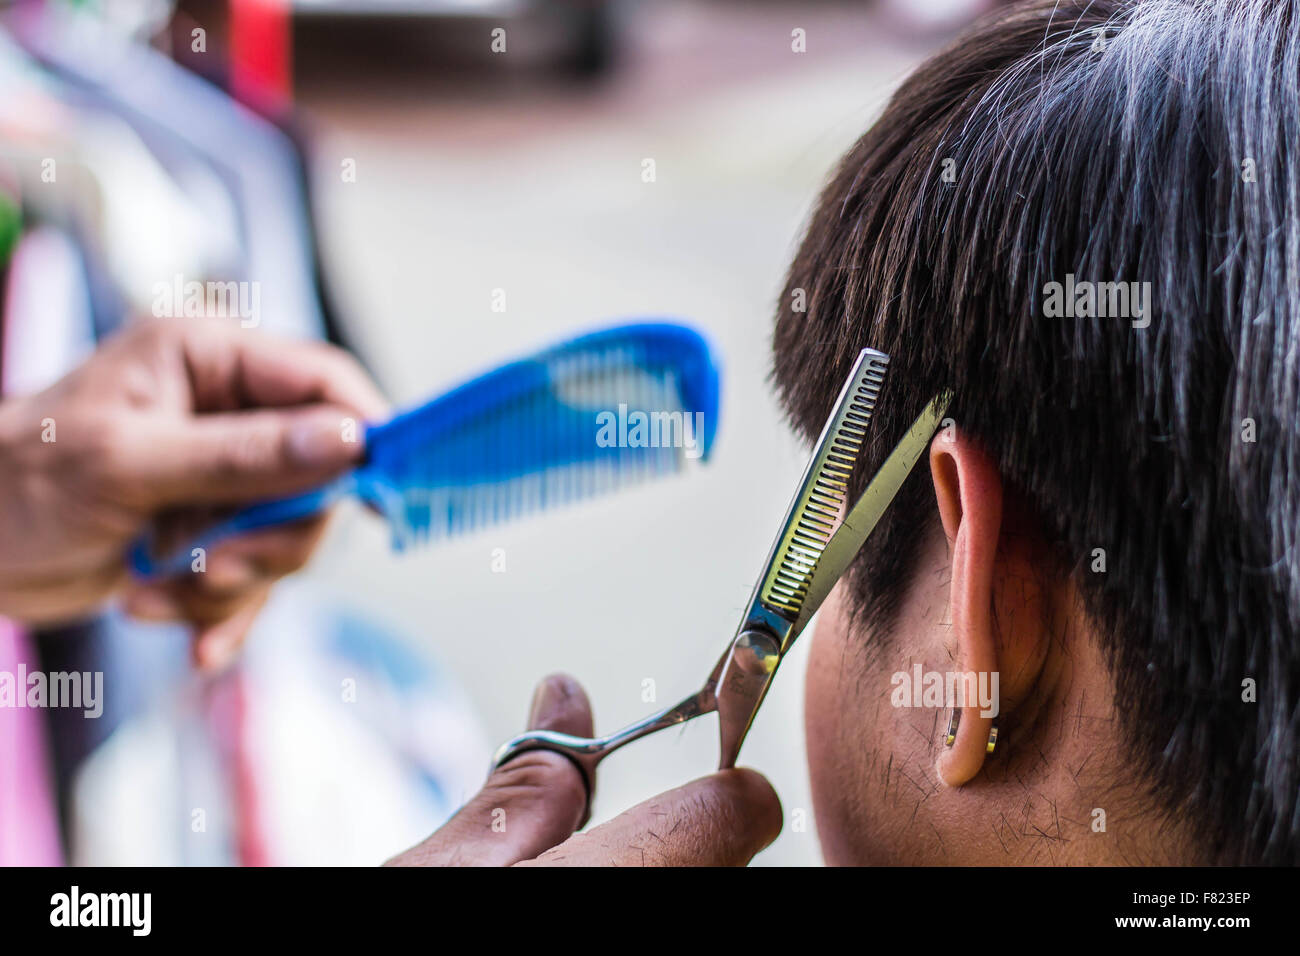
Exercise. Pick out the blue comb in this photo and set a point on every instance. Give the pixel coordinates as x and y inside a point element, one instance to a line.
<point>593,414</point>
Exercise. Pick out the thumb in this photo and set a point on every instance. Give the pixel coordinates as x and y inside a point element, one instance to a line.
<point>529,804</point>
<point>239,456</point>
<point>723,819</point>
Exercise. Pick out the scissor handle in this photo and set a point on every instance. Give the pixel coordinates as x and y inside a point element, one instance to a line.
<point>740,678</point>
<point>586,752</point>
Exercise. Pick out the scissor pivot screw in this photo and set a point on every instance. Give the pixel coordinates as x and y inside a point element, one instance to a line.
<point>756,653</point>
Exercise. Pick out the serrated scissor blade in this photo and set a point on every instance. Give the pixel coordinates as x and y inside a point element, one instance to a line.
<point>868,510</point>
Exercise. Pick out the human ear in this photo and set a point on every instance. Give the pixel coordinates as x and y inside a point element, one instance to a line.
<point>993,639</point>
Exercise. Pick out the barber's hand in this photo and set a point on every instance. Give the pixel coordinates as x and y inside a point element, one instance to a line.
<point>528,809</point>
<point>170,420</point>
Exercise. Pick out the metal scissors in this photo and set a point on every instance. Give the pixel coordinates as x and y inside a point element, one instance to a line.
<point>809,556</point>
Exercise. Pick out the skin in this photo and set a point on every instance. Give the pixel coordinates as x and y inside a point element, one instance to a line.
<point>166,422</point>
<point>887,791</point>
<point>538,800</point>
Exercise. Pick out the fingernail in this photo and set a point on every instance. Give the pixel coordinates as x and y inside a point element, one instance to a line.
<point>215,652</point>
<point>325,439</point>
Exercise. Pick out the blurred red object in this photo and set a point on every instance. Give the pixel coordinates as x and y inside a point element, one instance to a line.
<point>261,53</point>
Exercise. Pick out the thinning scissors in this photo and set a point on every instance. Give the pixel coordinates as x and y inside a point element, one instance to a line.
<point>809,556</point>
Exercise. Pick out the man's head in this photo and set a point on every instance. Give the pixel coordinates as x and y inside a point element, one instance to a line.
<point>1111,519</point>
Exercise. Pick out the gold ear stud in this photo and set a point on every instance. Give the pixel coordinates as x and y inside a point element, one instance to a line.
<point>954,721</point>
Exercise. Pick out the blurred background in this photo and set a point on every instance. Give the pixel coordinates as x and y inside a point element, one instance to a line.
<point>440,186</point>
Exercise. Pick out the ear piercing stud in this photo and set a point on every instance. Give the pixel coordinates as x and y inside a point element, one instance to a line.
<point>951,736</point>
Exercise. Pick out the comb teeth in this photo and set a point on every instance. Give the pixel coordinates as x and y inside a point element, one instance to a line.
<point>824,489</point>
<point>425,515</point>
<point>540,449</point>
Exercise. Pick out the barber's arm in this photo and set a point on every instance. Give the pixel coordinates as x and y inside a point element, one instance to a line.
<point>528,810</point>
<point>167,421</point>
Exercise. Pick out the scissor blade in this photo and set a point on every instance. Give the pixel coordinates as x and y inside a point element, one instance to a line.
<point>750,664</point>
<point>821,494</point>
<point>868,510</point>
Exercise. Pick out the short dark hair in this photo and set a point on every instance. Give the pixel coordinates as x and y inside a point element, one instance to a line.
<point>1147,141</point>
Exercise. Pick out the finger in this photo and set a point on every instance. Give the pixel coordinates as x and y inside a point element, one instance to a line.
<point>262,556</point>
<point>188,599</point>
<point>236,562</point>
<point>238,456</point>
<point>205,608</point>
<point>175,528</point>
<point>153,602</point>
<point>528,805</point>
<point>231,367</point>
<point>216,645</point>
<point>220,625</point>
<point>719,820</point>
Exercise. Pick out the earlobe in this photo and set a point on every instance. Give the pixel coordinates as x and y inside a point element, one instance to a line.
<point>968,494</point>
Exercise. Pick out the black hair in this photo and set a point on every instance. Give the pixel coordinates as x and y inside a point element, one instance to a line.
<point>1151,141</point>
